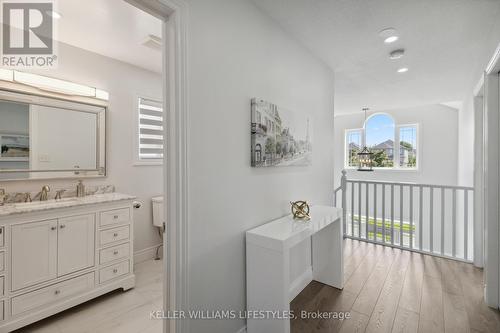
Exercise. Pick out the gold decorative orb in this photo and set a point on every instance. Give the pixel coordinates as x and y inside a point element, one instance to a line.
<point>300,210</point>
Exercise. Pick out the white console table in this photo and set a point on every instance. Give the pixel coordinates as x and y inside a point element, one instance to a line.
<point>284,256</point>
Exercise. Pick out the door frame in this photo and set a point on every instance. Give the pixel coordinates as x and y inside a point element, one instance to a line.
<point>479,175</point>
<point>491,141</point>
<point>173,13</point>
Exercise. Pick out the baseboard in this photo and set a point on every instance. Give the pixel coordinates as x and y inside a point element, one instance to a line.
<point>242,330</point>
<point>146,254</point>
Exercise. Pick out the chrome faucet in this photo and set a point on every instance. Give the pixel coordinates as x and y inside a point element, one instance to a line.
<point>44,194</point>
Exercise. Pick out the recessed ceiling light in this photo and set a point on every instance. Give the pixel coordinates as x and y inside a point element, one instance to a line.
<point>397,54</point>
<point>390,35</point>
<point>403,70</point>
<point>54,14</point>
<point>391,39</point>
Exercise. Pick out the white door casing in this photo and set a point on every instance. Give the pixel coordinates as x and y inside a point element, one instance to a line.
<point>491,143</point>
<point>175,166</point>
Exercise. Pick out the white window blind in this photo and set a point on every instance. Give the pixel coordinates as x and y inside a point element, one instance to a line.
<point>150,130</point>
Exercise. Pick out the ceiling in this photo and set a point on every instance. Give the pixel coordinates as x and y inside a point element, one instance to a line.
<point>112,28</point>
<point>444,41</point>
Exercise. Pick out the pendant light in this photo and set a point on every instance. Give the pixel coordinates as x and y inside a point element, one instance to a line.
<point>365,155</point>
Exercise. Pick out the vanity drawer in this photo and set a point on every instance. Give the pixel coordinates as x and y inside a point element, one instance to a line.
<point>2,261</point>
<point>47,295</point>
<point>114,235</point>
<point>114,253</point>
<point>114,271</point>
<point>116,216</point>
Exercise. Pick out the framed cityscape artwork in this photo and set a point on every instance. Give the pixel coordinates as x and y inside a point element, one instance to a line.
<point>279,137</point>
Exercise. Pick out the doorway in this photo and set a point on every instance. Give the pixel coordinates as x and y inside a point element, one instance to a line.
<point>173,14</point>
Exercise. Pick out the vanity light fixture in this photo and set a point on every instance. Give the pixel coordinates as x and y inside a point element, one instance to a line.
<point>55,85</point>
<point>6,75</point>
<point>102,94</point>
<point>52,85</point>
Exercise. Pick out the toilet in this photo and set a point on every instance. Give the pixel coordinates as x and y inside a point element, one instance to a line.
<point>158,219</point>
<point>158,212</point>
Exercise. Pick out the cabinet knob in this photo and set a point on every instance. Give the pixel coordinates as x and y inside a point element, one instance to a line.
<point>115,234</point>
<point>57,292</point>
<point>53,228</point>
<point>62,226</point>
<point>115,270</point>
<point>115,217</point>
<point>115,252</point>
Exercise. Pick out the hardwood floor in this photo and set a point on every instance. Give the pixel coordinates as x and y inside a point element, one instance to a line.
<point>386,290</point>
<point>116,312</point>
<point>390,290</point>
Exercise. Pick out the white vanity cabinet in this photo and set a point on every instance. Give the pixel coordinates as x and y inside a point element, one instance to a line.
<point>45,250</point>
<point>53,259</point>
<point>34,253</point>
<point>75,243</point>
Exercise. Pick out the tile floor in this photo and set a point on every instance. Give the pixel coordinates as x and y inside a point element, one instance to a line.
<point>116,312</point>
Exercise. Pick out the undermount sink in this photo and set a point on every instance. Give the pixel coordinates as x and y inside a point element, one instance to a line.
<point>44,203</point>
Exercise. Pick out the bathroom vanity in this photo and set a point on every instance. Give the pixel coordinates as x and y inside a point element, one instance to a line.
<point>56,254</point>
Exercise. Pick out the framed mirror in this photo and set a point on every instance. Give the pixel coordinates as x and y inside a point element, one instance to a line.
<point>44,137</point>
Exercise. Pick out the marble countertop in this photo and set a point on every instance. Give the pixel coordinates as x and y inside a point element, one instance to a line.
<point>30,207</point>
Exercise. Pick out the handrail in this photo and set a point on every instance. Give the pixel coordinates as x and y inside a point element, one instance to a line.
<point>457,187</point>
<point>426,218</point>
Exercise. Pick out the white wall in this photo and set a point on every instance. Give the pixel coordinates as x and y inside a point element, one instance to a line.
<point>236,53</point>
<point>466,115</point>
<point>123,82</point>
<point>438,136</point>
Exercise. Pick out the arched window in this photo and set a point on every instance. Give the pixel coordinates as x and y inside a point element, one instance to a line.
<point>379,138</point>
<point>393,146</point>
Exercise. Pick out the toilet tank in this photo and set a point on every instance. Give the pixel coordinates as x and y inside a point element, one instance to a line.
<point>158,211</point>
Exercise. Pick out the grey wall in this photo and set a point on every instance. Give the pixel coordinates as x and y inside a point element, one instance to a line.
<point>236,53</point>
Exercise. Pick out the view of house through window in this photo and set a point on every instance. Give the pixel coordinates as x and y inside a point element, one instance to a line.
<point>379,136</point>
<point>393,146</point>
<point>408,146</point>
<point>354,143</point>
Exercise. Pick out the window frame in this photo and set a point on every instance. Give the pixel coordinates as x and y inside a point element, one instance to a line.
<point>137,160</point>
<point>417,143</point>
<point>346,144</point>
<point>397,128</point>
